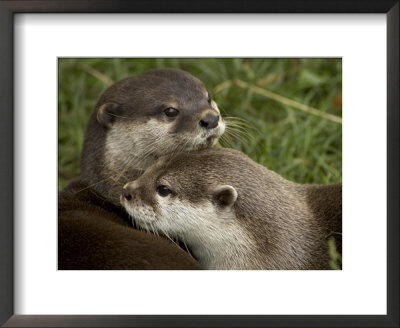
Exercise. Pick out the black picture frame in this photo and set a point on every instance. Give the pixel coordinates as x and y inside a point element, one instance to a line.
<point>7,11</point>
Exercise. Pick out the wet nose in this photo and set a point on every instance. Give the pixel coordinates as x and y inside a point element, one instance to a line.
<point>127,195</point>
<point>210,121</point>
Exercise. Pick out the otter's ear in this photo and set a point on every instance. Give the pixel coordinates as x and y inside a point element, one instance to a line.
<point>225,196</point>
<point>106,114</point>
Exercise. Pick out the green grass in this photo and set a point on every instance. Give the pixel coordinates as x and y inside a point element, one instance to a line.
<point>301,146</point>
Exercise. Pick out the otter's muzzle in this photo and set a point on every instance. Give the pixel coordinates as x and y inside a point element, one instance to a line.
<point>126,194</point>
<point>210,121</point>
<point>127,190</point>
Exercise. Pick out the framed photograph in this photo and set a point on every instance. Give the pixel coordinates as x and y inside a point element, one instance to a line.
<point>209,102</point>
<point>282,68</point>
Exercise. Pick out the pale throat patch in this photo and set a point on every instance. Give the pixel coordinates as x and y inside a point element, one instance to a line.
<point>214,235</point>
<point>142,214</point>
<point>138,145</point>
<point>135,146</point>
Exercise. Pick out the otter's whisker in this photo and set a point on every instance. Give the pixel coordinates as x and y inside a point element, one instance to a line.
<point>166,235</point>
<point>187,249</point>
<point>236,136</point>
<point>112,114</point>
<point>226,140</point>
<point>93,184</point>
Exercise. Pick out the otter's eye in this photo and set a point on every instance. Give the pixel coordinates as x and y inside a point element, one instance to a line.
<point>163,191</point>
<point>171,112</point>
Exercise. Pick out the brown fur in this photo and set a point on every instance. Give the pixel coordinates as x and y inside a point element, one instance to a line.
<point>289,223</point>
<point>94,234</point>
<point>326,203</point>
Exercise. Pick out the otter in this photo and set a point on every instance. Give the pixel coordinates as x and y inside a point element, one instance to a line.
<point>93,234</point>
<point>135,121</point>
<point>141,118</point>
<point>234,213</point>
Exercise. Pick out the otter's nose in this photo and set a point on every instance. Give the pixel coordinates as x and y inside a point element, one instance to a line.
<point>127,195</point>
<point>210,121</point>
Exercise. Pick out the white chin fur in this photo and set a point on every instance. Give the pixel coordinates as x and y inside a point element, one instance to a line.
<point>141,214</point>
<point>201,139</point>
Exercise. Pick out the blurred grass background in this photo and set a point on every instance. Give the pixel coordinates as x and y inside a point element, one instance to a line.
<point>294,107</point>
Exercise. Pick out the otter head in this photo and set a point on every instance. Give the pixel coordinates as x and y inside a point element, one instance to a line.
<point>178,200</point>
<point>187,197</point>
<point>141,118</point>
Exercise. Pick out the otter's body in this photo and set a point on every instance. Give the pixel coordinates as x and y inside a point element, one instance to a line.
<point>135,121</point>
<point>234,213</point>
